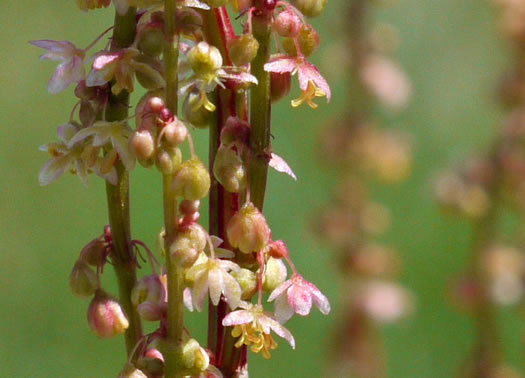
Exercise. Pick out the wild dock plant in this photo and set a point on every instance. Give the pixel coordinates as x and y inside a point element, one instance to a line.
<point>198,74</point>
<point>356,147</point>
<point>483,189</point>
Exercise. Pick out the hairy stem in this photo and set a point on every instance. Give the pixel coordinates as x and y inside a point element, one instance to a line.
<point>175,317</point>
<point>260,108</point>
<point>118,197</point>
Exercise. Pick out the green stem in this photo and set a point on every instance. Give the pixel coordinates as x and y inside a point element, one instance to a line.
<point>260,108</point>
<point>175,317</point>
<point>118,198</point>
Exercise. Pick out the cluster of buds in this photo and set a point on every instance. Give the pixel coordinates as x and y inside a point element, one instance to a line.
<point>479,190</point>
<point>186,52</point>
<point>361,150</point>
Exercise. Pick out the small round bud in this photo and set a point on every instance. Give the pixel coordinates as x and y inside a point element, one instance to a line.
<point>175,132</point>
<point>204,58</point>
<point>310,8</point>
<point>131,371</point>
<point>152,362</point>
<point>280,84</point>
<point>168,160</point>
<point>243,49</point>
<point>194,357</point>
<point>235,131</point>
<point>83,280</point>
<point>148,71</point>
<point>194,112</point>
<point>148,109</point>
<point>93,252</point>
<point>247,281</point>
<point>278,249</point>
<point>142,144</point>
<point>188,20</point>
<point>105,316</point>
<point>192,180</point>
<point>149,289</point>
<point>287,24</point>
<point>229,170</point>
<point>189,207</point>
<point>308,41</point>
<point>274,274</point>
<point>151,41</point>
<point>187,246</point>
<point>248,230</point>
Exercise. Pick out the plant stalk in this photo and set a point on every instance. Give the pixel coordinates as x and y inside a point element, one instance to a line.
<point>118,197</point>
<point>175,317</point>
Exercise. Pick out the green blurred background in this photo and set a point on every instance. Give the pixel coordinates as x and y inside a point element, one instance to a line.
<point>452,52</point>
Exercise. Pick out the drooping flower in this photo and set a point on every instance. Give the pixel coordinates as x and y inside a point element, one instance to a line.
<point>311,82</point>
<point>211,275</point>
<point>253,325</point>
<point>116,133</point>
<point>121,67</point>
<point>296,295</point>
<point>71,67</point>
<point>67,155</point>
<point>105,316</point>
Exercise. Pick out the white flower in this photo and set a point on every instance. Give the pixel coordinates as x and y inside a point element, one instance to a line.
<point>116,133</point>
<point>71,68</point>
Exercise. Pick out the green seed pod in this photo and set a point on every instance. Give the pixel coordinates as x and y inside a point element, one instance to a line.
<point>192,180</point>
<point>168,160</point>
<point>194,112</point>
<point>229,170</point>
<point>83,280</point>
<point>248,230</point>
<point>310,8</point>
<point>151,41</point>
<point>308,41</point>
<point>243,49</point>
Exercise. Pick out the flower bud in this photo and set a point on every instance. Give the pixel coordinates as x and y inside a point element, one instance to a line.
<point>149,289</point>
<point>175,132</point>
<point>131,371</point>
<point>308,41</point>
<point>280,84</point>
<point>152,362</point>
<point>192,180</point>
<point>188,20</point>
<point>105,316</point>
<point>278,249</point>
<point>243,49</point>
<point>310,8</point>
<point>168,160</point>
<point>142,144</point>
<point>247,281</point>
<point>148,71</point>
<point>274,274</point>
<point>229,170</point>
<point>248,230</point>
<point>235,131</point>
<point>151,41</point>
<point>194,113</point>
<point>189,207</point>
<point>194,357</point>
<point>187,246</point>
<point>204,58</point>
<point>93,252</point>
<point>287,24</point>
<point>83,280</point>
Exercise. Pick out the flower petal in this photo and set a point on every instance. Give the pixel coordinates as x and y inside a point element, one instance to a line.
<point>215,283</point>
<point>238,317</point>
<point>200,291</point>
<point>54,168</point>
<point>278,163</point>
<point>283,311</point>
<point>308,72</point>
<point>281,65</point>
<point>279,290</point>
<point>299,299</point>
<point>232,291</point>
<point>320,300</point>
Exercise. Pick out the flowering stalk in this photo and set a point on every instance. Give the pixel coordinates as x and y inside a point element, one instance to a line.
<point>356,147</point>
<point>186,49</point>
<point>118,195</point>
<point>175,274</point>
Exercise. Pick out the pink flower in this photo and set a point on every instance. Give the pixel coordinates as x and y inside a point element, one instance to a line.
<point>296,296</point>
<point>311,82</point>
<point>253,326</point>
<point>71,68</point>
